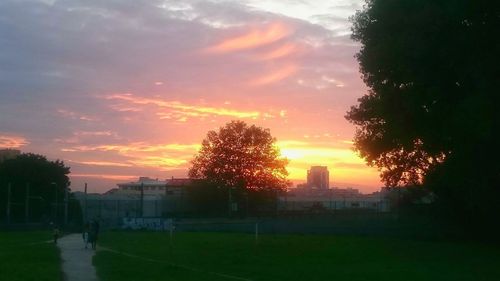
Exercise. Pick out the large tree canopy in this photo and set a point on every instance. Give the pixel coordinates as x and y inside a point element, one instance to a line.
<point>240,156</point>
<point>46,180</point>
<point>432,72</point>
<point>431,114</point>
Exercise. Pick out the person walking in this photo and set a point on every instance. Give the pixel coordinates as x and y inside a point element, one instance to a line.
<point>55,234</point>
<point>94,233</point>
<point>85,235</point>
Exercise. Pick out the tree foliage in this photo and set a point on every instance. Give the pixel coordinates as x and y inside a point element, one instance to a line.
<point>46,179</point>
<point>240,156</point>
<point>431,114</point>
<point>431,68</point>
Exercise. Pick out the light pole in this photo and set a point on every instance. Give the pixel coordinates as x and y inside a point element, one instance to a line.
<point>9,186</point>
<point>27,203</point>
<point>55,204</point>
<point>66,194</point>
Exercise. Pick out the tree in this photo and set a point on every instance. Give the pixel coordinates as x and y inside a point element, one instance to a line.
<point>430,116</point>
<point>46,179</point>
<point>242,157</point>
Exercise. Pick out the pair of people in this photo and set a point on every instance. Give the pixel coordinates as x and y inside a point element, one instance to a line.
<point>90,234</point>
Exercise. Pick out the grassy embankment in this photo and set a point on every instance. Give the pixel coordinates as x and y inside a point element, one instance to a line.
<point>26,256</point>
<point>208,256</point>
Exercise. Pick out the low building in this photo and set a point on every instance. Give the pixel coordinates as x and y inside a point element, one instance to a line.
<point>6,154</point>
<point>307,199</point>
<point>147,185</point>
<point>145,198</point>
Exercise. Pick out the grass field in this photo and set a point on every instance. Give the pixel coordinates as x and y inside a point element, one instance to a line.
<point>24,256</point>
<point>218,256</point>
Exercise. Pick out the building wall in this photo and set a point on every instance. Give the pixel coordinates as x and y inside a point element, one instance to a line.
<point>318,177</point>
<point>6,154</point>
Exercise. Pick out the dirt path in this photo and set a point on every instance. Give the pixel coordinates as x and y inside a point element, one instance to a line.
<point>76,260</point>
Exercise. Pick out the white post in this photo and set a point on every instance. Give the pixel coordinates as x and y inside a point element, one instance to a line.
<point>171,236</point>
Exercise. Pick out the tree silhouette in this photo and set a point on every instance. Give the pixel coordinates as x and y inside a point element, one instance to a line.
<point>240,156</point>
<point>430,116</point>
<point>46,179</point>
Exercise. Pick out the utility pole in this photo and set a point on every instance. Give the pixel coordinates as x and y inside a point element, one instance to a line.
<point>27,203</point>
<point>66,196</point>
<point>55,204</point>
<point>230,205</point>
<point>8,203</point>
<point>85,206</point>
<point>142,200</point>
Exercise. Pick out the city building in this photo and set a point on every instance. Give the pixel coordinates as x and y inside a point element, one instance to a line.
<point>309,199</point>
<point>318,177</point>
<point>148,185</point>
<point>6,154</point>
<point>145,198</point>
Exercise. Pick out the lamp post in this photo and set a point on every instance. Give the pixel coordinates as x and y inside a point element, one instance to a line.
<point>55,204</point>
<point>27,203</point>
<point>66,196</point>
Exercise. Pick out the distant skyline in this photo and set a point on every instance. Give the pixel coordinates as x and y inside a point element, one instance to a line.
<point>123,89</point>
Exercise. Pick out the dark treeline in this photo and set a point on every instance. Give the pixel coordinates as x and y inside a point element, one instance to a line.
<point>37,190</point>
<point>211,200</point>
<point>430,118</point>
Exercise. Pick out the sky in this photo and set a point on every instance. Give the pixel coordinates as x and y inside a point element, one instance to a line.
<point>127,88</point>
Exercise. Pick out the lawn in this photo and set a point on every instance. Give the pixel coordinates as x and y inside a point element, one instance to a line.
<point>25,256</point>
<point>225,256</point>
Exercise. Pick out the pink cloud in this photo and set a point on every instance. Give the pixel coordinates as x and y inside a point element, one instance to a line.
<point>256,37</point>
<point>12,141</point>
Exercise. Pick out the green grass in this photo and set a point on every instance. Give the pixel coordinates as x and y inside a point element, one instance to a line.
<point>24,257</point>
<point>148,256</point>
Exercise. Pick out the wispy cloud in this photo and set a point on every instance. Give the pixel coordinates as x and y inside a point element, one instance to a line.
<point>106,176</point>
<point>275,76</point>
<point>135,147</point>
<point>75,115</point>
<point>162,162</point>
<point>102,163</point>
<point>256,37</point>
<point>138,154</point>
<point>12,141</point>
<point>282,51</point>
<point>184,109</point>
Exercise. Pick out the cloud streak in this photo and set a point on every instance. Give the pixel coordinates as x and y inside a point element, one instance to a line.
<point>12,141</point>
<point>182,108</point>
<point>256,37</point>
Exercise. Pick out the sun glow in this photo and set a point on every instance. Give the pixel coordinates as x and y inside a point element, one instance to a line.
<point>344,164</point>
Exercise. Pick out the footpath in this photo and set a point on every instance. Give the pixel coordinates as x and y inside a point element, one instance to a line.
<point>76,260</point>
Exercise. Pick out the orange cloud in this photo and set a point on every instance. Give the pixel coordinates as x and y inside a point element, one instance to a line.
<point>162,162</point>
<point>106,176</point>
<point>103,163</point>
<point>275,76</point>
<point>280,52</point>
<point>254,38</point>
<point>9,141</point>
<point>139,154</point>
<point>135,147</point>
<point>182,108</point>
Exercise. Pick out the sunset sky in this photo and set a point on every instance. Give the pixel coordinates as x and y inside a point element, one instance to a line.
<point>128,88</point>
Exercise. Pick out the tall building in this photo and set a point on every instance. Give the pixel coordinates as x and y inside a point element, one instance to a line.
<point>6,154</point>
<point>318,177</point>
